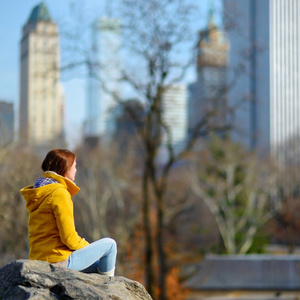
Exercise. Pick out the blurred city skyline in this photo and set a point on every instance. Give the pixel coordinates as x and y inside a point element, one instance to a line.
<point>14,14</point>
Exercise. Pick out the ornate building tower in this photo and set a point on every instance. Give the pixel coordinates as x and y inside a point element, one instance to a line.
<point>41,98</point>
<point>208,92</point>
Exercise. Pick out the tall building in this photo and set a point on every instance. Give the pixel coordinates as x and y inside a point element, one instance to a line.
<point>6,123</point>
<point>41,96</point>
<point>208,92</point>
<point>174,116</point>
<point>284,80</point>
<point>104,82</point>
<point>127,115</point>
<point>265,49</point>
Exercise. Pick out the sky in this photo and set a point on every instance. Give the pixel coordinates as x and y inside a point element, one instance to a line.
<point>13,15</point>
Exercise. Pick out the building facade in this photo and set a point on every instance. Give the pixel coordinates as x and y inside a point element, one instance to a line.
<point>208,93</point>
<point>104,86</point>
<point>264,55</point>
<point>174,118</point>
<point>7,118</point>
<point>41,120</point>
<point>284,80</point>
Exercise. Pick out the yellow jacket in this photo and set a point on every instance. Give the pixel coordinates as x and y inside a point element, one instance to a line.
<point>52,233</point>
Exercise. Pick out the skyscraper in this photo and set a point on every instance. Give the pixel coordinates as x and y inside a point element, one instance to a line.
<point>285,79</point>
<point>208,92</point>
<point>6,123</point>
<point>105,74</point>
<point>264,41</point>
<point>174,117</point>
<point>41,96</point>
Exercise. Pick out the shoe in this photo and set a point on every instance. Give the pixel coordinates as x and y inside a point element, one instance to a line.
<point>110,273</point>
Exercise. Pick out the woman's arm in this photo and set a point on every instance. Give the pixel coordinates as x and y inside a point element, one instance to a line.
<point>62,206</point>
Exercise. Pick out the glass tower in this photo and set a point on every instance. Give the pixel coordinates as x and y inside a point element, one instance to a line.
<point>104,80</point>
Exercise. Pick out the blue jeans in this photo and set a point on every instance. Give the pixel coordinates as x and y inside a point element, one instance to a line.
<point>97,256</point>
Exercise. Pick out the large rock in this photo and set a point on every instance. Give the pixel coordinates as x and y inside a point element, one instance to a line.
<point>31,279</point>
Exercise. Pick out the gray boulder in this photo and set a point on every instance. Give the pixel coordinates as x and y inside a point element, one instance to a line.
<point>32,279</point>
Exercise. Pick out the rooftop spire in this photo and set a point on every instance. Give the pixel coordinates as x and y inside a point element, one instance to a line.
<point>211,12</point>
<point>39,13</point>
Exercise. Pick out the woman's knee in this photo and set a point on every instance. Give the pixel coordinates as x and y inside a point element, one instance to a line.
<point>114,244</point>
<point>111,242</point>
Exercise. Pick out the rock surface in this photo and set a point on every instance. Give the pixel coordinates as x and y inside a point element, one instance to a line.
<point>30,279</point>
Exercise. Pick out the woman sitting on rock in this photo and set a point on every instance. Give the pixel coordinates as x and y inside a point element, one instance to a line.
<point>52,233</point>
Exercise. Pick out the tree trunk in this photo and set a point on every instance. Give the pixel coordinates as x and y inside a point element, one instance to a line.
<point>147,227</point>
<point>160,248</point>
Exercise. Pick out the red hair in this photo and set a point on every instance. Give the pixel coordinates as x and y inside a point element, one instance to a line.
<point>58,161</point>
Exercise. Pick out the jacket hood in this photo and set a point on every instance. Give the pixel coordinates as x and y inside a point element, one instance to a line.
<point>69,184</point>
<point>35,196</point>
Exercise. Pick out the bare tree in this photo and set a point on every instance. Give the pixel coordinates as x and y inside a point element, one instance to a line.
<point>16,171</point>
<point>286,217</point>
<point>156,31</point>
<point>238,189</point>
<point>108,202</point>
<point>159,45</point>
